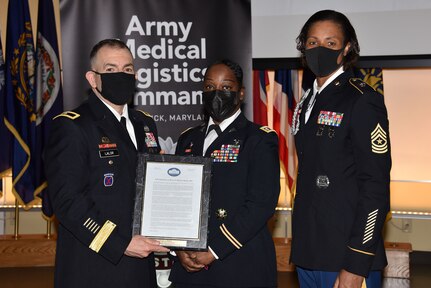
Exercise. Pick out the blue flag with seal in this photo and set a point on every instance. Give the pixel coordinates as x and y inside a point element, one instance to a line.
<point>49,96</point>
<point>5,136</point>
<point>19,113</point>
<point>371,76</point>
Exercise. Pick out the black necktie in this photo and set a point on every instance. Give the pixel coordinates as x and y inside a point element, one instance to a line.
<point>123,122</point>
<point>214,127</point>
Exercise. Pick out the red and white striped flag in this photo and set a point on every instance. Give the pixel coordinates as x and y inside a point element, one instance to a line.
<point>284,104</point>
<point>260,99</point>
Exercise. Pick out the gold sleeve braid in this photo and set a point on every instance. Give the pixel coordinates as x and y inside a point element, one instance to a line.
<point>230,237</point>
<point>102,236</point>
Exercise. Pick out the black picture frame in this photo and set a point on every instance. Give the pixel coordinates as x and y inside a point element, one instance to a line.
<point>143,193</point>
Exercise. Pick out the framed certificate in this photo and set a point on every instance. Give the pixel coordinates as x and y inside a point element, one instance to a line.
<point>172,199</point>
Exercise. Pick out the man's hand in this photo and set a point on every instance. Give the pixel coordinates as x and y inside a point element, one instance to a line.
<point>141,247</point>
<point>205,258</point>
<point>188,260</point>
<point>346,279</point>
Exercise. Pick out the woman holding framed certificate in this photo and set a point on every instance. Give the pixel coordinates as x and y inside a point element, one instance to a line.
<point>244,192</point>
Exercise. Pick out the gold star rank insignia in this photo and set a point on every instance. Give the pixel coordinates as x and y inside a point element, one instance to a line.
<point>379,142</point>
<point>221,213</point>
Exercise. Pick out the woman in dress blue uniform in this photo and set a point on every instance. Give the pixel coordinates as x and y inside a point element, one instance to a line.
<point>342,140</point>
<point>244,194</point>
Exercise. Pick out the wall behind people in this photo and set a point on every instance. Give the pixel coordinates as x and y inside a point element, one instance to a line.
<point>379,25</point>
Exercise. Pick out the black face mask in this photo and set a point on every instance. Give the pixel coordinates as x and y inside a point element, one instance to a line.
<point>117,88</point>
<point>220,104</point>
<point>322,61</point>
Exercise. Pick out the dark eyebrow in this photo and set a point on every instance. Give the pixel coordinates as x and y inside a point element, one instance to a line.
<point>116,66</point>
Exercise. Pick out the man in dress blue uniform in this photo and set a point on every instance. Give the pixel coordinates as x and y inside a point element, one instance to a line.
<point>90,164</point>
<point>244,194</point>
<point>342,140</point>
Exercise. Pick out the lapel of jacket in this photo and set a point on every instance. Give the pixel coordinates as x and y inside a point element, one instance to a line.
<point>232,131</point>
<point>329,94</point>
<point>140,128</point>
<point>198,141</point>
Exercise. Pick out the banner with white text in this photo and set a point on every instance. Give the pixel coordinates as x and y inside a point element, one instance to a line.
<point>172,42</point>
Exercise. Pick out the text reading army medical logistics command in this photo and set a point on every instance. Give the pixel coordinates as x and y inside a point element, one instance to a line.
<point>174,47</point>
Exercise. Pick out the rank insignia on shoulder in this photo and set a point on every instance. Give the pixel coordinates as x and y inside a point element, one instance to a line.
<point>68,114</point>
<point>379,141</point>
<point>359,84</point>
<point>266,129</point>
<point>145,113</point>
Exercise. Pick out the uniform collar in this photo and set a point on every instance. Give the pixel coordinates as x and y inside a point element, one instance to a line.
<point>101,110</point>
<point>125,113</point>
<point>225,123</point>
<point>329,81</point>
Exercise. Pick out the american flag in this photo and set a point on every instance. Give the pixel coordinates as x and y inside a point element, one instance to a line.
<point>260,97</point>
<point>285,98</point>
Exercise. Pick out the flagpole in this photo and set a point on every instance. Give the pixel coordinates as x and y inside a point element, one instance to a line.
<point>16,233</point>
<point>48,229</point>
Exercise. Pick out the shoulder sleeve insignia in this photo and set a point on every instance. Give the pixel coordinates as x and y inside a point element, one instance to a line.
<point>359,84</point>
<point>379,141</point>
<point>68,114</point>
<point>145,113</point>
<point>266,129</point>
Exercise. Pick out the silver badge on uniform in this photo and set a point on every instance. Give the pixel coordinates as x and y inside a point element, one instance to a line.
<point>331,132</point>
<point>221,213</point>
<point>320,130</point>
<point>322,181</point>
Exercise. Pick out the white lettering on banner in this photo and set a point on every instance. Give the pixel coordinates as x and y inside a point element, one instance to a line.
<point>168,98</point>
<point>178,117</point>
<point>172,44</point>
<point>186,117</point>
<point>148,76</point>
<point>167,50</point>
<point>162,28</point>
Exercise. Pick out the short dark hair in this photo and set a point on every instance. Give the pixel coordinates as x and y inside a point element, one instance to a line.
<point>346,27</point>
<point>112,43</point>
<point>235,67</point>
